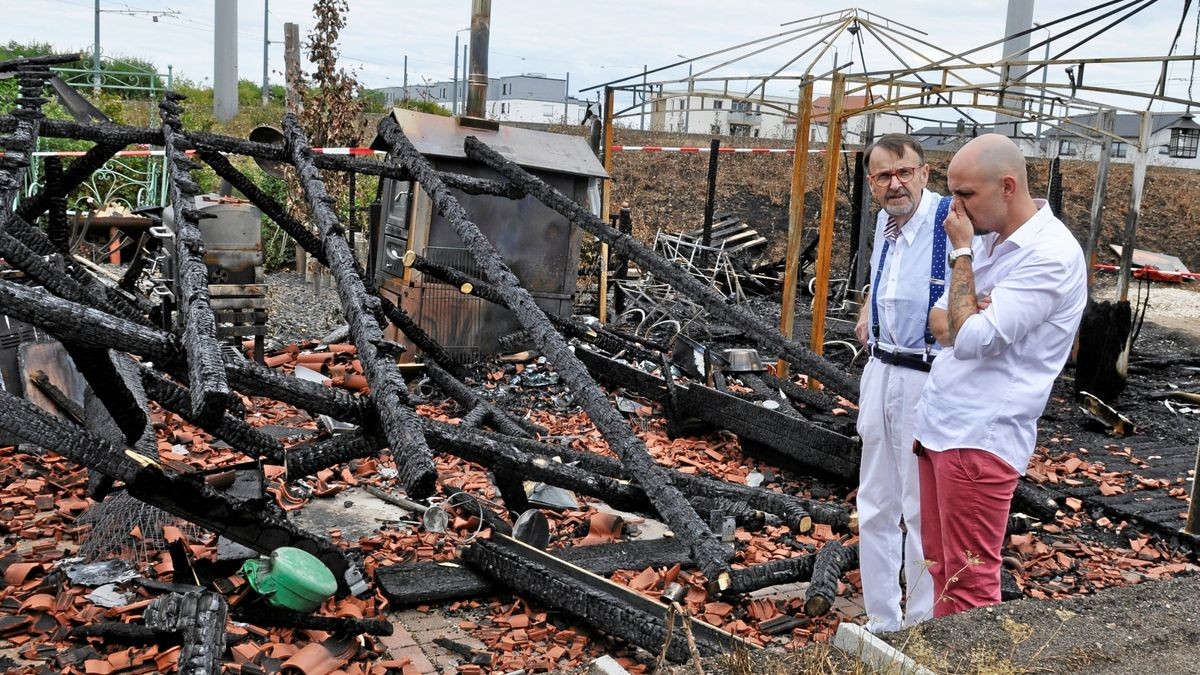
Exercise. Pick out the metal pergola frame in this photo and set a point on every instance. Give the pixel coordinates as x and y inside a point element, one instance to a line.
<point>949,80</point>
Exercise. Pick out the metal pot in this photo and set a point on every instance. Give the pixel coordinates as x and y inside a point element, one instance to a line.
<point>743,361</point>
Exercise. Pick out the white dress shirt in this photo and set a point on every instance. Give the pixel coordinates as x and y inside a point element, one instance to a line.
<point>902,298</point>
<point>988,390</point>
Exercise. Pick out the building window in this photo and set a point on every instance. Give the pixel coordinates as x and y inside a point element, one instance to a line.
<point>506,89</point>
<point>1067,149</point>
<point>718,104</point>
<point>1184,143</point>
<point>503,108</point>
<point>1120,149</point>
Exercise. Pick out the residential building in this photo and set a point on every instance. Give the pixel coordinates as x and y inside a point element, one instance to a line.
<point>531,97</point>
<point>1174,139</point>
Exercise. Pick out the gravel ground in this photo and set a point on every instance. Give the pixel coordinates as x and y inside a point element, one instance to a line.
<point>297,312</point>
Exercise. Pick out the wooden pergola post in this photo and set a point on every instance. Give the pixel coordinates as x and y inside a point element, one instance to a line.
<point>833,156</point>
<point>787,318</point>
<point>605,196</point>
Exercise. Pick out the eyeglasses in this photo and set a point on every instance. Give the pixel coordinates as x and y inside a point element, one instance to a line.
<point>904,174</point>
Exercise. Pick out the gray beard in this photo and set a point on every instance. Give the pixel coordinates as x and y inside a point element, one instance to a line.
<point>900,211</point>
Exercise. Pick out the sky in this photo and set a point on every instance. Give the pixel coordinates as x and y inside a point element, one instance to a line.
<point>591,42</point>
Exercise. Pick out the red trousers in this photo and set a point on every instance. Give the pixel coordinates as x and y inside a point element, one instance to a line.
<point>965,498</point>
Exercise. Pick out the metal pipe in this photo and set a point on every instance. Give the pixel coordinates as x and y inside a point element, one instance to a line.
<point>1135,207</point>
<point>795,219</point>
<point>266,90</point>
<point>1106,122</point>
<point>605,196</point>
<point>477,81</point>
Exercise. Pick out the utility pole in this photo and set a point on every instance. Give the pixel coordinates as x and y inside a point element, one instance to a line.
<point>642,107</point>
<point>225,64</point>
<point>463,102</point>
<point>454,100</point>
<point>96,54</point>
<point>566,99</point>
<point>405,97</point>
<point>266,91</point>
<point>291,68</point>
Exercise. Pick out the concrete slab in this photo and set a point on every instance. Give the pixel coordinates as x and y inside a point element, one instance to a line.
<point>357,513</point>
<point>858,642</point>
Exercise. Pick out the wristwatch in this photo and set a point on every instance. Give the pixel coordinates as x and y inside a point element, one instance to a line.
<point>958,253</point>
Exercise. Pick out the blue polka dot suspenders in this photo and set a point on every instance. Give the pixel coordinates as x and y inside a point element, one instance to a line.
<point>937,272</point>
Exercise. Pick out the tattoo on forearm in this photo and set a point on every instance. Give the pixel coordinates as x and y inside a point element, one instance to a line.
<point>962,303</point>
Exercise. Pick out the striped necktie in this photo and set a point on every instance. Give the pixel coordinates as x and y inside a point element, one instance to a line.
<point>892,229</point>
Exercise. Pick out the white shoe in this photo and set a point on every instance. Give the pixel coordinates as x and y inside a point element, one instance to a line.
<point>877,627</point>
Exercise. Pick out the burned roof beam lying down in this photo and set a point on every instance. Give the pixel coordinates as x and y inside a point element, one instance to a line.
<point>398,420</point>
<point>626,245</point>
<point>707,550</point>
<point>209,388</point>
<point>126,135</point>
<point>187,497</point>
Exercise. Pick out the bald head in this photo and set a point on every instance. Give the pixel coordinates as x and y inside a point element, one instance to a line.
<point>988,176</point>
<point>994,156</point>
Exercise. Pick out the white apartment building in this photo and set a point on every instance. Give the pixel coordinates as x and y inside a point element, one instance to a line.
<point>531,97</point>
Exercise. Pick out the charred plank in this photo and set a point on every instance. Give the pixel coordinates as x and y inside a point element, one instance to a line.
<point>199,618</point>
<point>611,608</point>
<point>274,617</point>
<point>785,571</point>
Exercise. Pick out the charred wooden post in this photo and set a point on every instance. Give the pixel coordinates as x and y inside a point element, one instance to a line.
<point>670,504</point>
<point>58,230</point>
<point>785,571</point>
<point>274,617</point>
<point>306,459</point>
<point>101,420</point>
<point>208,385</point>
<point>388,392</point>
<point>418,583</point>
<point>545,579</point>
<point>758,386</point>
<point>627,246</point>
<point>832,561</point>
<point>235,432</point>
<point>20,145</point>
<point>116,633</point>
<point>250,378</point>
<point>199,618</point>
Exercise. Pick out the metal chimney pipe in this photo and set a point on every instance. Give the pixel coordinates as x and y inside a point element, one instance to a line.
<point>477,81</point>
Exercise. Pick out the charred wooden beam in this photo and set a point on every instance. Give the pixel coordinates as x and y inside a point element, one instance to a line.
<point>209,387</point>
<point>629,247</point>
<point>712,557</point>
<point>47,60</point>
<point>420,583</point>
<point>58,230</point>
<point>303,236</point>
<point>761,388</point>
<point>102,421</point>
<point>199,618</point>
<point>185,496</point>
<point>388,392</point>
<point>306,459</point>
<point>795,437</point>
<point>274,617</point>
<point>785,571</point>
<point>745,516</point>
<point>455,389</point>
<point>250,378</point>
<point>65,404</point>
<point>235,432</point>
<point>80,169</point>
<point>611,608</point>
<point>832,561</point>
<point>84,325</point>
<point>127,135</point>
<point>114,632</point>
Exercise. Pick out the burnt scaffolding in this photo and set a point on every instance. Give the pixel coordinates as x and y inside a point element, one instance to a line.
<point>184,370</point>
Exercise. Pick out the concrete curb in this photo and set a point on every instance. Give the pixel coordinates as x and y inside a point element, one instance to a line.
<point>857,641</point>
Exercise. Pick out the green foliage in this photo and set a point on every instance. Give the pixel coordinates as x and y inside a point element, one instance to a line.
<point>423,105</point>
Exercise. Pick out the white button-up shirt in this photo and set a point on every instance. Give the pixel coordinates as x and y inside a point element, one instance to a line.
<point>902,296</point>
<point>988,390</point>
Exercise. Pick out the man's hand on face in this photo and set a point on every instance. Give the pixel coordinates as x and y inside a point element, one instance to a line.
<point>959,228</point>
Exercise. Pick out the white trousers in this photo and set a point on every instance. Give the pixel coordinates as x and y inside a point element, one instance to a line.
<point>888,490</point>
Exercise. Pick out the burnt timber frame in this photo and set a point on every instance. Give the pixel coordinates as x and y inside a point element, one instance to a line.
<point>708,552</point>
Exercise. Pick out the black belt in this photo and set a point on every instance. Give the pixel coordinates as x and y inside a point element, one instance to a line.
<point>912,361</point>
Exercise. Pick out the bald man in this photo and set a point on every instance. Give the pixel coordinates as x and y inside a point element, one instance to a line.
<point>1006,324</point>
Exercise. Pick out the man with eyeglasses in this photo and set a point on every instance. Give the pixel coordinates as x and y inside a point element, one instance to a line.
<point>907,267</point>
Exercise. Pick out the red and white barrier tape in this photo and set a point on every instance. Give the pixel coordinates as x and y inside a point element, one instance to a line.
<point>159,153</point>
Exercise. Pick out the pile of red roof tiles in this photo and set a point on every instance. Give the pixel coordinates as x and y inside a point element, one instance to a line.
<point>42,494</point>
